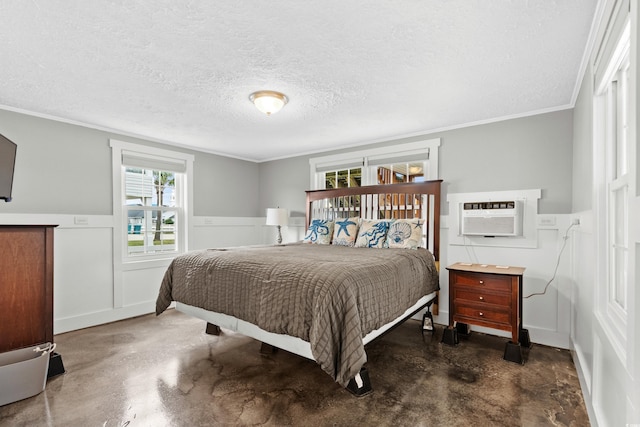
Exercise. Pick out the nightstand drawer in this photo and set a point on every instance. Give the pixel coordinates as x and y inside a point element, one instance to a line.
<point>485,281</point>
<point>477,295</point>
<point>490,315</point>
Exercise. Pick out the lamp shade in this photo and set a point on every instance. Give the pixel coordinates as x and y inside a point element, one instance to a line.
<point>277,216</point>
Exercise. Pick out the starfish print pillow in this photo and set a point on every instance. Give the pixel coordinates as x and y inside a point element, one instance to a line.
<point>345,231</point>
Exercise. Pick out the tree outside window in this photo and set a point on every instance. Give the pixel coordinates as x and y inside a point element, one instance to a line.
<point>151,211</point>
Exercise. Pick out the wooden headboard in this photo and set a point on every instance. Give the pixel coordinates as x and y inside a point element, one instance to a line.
<point>390,201</point>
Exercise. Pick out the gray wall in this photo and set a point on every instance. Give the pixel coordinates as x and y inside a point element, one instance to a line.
<point>60,168</point>
<point>583,147</point>
<point>66,169</point>
<point>283,183</point>
<point>525,153</point>
<point>225,187</point>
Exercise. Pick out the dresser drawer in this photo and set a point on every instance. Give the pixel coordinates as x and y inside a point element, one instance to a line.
<point>479,314</point>
<point>477,295</point>
<point>485,281</point>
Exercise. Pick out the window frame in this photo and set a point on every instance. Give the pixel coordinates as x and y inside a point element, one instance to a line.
<point>184,202</point>
<point>612,141</point>
<point>617,106</point>
<point>348,160</point>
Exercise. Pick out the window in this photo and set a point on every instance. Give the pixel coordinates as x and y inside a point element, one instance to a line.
<point>410,162</point>
<point>612,93</point>
<point>151,211</point>
<point>150,201</point>
<point>617,105</point>
<point>396,173</point>
<point>343,178</point>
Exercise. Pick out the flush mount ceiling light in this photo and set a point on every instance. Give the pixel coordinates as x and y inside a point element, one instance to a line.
<point>268,101</point>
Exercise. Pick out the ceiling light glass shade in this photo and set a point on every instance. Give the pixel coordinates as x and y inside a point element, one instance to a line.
<point>268,101</point>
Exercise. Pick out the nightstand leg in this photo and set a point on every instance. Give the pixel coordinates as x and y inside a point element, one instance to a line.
<point>513,353</point>
<point>450,336</point>
<point>523,338</point>
<point>463,329</point>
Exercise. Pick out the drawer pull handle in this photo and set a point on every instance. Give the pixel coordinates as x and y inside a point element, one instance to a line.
<point>481,298</point>
<point>482,282</point>
<point>481,314</point>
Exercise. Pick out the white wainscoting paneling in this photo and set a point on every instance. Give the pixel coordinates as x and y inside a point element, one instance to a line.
<point>220,232</point>
<point>547,316</point>
<point>84,279</point>
<point>141,286</point>
<point>84,274</point>
<point>83,271</point>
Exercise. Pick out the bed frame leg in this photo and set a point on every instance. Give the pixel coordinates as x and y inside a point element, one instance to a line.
<point>267,349</point>
<point>212,329</point>
<point>360,385</point>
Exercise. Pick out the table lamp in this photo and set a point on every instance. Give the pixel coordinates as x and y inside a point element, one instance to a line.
<point>277,217</point>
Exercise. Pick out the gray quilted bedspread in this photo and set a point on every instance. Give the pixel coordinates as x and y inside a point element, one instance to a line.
<point>330,296</point>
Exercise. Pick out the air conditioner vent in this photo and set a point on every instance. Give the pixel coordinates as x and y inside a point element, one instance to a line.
<point>489,218</point>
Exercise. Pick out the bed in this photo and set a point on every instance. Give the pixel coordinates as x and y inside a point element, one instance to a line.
<point>323,298</point>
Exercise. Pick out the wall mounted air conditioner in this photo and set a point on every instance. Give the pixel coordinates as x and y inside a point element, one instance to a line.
<point>491,218</point>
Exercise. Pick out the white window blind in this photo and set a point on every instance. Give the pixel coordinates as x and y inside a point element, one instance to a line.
<point>405,157</point>
<point>153,162</point>
<point>338,166</point>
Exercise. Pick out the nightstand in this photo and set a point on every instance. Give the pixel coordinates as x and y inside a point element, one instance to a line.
<point>489,296</point>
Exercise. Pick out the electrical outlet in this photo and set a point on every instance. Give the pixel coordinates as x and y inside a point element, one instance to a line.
<point>81,220</point>
<point>547,220</point>
<point>575,221</point>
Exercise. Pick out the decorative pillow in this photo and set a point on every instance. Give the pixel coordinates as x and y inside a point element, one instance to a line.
<point>319,232</point>
<point>345,231</point>
<point>405,233</point>
<point>372,233</point>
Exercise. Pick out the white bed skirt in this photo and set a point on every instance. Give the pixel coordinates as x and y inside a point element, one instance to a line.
<point>286,342</point>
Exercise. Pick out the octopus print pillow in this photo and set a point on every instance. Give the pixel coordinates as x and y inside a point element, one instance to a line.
<point>405,233</point>
<point>372,233</point>
<point>345,231</point>
<point>319,232</point>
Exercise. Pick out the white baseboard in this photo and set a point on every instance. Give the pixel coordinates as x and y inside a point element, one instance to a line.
<point>68,324</point>
<point>547,337</point>
<point>537,335</point>
<point>584,376</point>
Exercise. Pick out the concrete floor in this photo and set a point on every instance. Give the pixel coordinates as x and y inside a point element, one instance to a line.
<point>165,371</point>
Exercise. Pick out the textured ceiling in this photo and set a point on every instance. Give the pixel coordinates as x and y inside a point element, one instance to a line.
<point>181,71</point>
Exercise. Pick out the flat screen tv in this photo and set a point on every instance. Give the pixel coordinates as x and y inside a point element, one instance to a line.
<point>7,164</point>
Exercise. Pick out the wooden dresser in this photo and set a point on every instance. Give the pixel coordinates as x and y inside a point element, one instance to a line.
<point>26,285</point>
<point>489,296</point>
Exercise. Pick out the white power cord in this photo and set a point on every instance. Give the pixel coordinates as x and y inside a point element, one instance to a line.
<point>466,247</point>
<point>564,243</point>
